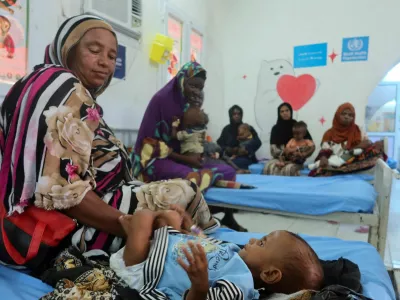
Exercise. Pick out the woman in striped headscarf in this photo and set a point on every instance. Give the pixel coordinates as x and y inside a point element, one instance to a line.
<point>64,156</point>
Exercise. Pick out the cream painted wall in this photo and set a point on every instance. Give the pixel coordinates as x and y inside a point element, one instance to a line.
<point>244,33</point>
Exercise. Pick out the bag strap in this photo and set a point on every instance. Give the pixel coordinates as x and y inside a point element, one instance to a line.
<point>5,169</point>
<point>33,246</point>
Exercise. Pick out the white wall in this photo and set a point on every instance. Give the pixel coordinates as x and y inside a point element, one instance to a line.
<point>124,102</point>
<point>247,32</point>
<point>239,36</point>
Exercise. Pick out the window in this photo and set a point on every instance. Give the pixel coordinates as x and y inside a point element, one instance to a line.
<point>380,116</point>
<point>381,109</point>
<point>175,30</point>
<point>188,41</point>
<point>196,46</point>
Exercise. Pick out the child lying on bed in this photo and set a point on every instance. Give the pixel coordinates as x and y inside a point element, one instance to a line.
<point>184,265</point>
<point>298,148</point>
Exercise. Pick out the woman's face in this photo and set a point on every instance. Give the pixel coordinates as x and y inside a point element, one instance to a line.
<point>237,116</point>
<point>193,90</point>
<point>346,117</point>
<point>93,59</point>
<point>285,113</point>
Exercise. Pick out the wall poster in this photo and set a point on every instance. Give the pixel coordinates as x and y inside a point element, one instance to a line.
<point>13,40</point>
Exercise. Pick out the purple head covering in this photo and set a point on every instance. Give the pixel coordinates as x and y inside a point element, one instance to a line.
<point>166,104</point>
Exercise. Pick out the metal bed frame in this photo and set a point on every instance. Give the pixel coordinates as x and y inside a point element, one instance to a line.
<point>377,220</point>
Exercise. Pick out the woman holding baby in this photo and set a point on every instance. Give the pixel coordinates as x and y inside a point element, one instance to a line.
<point>239,140</point>
<point>287,161</point>
<point>345,148</point>
<point>172,115</point>
<point>158,155</point>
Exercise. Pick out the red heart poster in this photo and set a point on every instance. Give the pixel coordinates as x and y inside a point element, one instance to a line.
<point>296,91</point>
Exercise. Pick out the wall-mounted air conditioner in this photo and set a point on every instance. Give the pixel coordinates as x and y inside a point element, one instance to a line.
<point>124,15</point>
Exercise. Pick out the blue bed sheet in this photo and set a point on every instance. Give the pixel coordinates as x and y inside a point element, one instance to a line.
<point>257,168</point>
<point>374,277</point>
<point>15,285</point>
<point>392,163</point>
<point>302,195</point>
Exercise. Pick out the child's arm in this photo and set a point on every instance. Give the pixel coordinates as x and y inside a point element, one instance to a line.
<point>139,230</point>
<point>309,150</point>
<point>289,148</point>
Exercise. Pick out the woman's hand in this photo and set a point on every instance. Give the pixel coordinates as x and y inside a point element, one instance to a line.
<point>197,269</point>
<point>323,162</point>
<point>186,219</point>
<point>286,151</point>
<point>193,160</point>
<point>168,218</point>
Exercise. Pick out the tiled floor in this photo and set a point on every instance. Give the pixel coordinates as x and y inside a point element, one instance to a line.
<point>257,222</point>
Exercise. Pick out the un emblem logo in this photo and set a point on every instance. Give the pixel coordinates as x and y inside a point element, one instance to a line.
<point>355,44</point>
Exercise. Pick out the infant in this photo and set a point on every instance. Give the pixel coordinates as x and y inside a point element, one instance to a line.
<point>338,157</point>
<point>298,148</point>
<point>193,135</point>
<point>244,137</point>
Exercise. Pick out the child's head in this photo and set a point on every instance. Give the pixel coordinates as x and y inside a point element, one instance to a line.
<point>243,131</point>
<point>194,117</point>
<point>282,262</point>
<point>299,130</point>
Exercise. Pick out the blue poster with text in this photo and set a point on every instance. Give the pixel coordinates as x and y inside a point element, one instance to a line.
<point>307,56</point>
<point>355,49</point>
<point>120,64</point>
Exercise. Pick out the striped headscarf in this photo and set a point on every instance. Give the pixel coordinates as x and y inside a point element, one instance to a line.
<point>68,35</point>
<point>31,117</point>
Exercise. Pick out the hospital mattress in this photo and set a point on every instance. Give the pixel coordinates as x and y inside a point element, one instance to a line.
<point>374,277</point>
<point>301,195</point>
<point>15,285</point>
<point>258,168</point>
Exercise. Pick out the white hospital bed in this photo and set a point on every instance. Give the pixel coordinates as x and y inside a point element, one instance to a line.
<point>377,219</point>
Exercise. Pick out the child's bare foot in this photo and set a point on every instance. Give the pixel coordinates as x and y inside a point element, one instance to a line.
<point>280,164</point>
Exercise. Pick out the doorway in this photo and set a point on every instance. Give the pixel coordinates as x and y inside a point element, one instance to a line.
<point>382,116</point>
